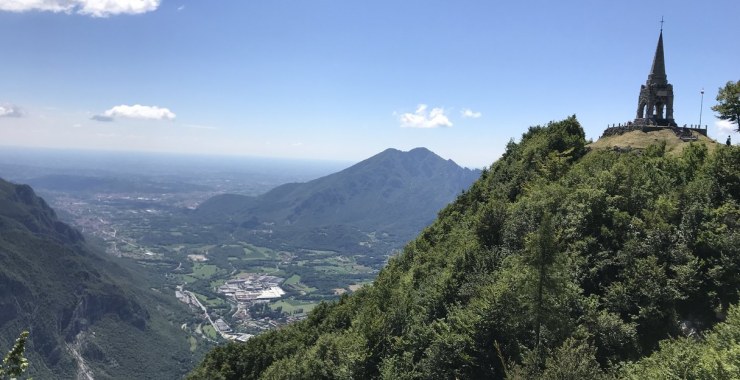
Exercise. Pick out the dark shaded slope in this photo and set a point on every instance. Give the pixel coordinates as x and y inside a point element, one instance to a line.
<point>75,301</point>
<point>395,192</point>
<point>557,263</point>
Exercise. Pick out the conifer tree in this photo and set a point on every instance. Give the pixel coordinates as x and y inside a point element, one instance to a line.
<point>15,363</point>
<point>540,256</point>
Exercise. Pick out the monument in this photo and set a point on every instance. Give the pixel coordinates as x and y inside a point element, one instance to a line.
<point>655,103</point>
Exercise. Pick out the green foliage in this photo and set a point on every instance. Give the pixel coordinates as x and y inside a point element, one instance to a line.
<point>557,263</point>
<point>716,356</point>
<point>15,363</point>
<point>728,103</point>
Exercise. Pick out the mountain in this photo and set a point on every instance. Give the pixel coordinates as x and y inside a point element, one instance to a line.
<point>394,193</point>
<point>87,313</point>
<point>561,261</point>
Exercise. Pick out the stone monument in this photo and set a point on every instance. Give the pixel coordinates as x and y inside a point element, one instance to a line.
<point>655,103</point>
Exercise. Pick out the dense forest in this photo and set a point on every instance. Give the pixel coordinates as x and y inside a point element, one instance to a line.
<point>559,260</point>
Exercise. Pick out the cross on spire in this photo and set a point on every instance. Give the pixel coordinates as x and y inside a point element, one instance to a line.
<point>661,24</point>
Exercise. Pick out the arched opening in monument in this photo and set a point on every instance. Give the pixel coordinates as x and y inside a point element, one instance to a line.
<point>659,110</point>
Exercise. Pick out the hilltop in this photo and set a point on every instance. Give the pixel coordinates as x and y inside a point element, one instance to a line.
<point>559,262</point>
<point>642,140</point>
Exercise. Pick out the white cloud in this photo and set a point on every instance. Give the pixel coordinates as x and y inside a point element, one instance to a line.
<point>136,111</point>
<point>9,110</point>
<point>725,126</point>
<point>468,113</point>
<point>95,8</point>
<point>421,118</point>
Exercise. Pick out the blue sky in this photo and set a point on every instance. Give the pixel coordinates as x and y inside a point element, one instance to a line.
<point>343,80</point>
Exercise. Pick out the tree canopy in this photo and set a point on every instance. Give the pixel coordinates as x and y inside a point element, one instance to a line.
<point>728,103</point>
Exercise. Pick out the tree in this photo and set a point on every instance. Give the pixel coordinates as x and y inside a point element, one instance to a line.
<point>14,363</point>
<point>540,255</point>
<point>728,106</point>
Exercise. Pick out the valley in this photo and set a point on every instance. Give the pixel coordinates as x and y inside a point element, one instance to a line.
<point>244,271</point>
<point>155,232</point>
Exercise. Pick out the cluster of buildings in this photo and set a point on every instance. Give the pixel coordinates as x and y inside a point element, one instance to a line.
<point>253,288</point>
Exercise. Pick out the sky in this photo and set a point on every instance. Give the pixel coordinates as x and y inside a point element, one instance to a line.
<point>344,80</point>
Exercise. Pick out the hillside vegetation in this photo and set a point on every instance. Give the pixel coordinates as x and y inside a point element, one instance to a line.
<point>559,262</point>
<point>85,312</point>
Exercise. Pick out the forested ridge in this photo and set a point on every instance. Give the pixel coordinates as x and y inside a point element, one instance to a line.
<point>560,260</point>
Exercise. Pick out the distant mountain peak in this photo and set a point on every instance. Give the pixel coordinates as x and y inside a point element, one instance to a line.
<point>421,149</point>
<point>417,150</point>
<point>392,191</point>
<point>419,153</point>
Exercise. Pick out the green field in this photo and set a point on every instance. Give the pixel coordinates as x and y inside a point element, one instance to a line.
<point>270,270</point>
<point>292,280</point>
<point>291,305</point>
<point>204,271</point>
<point>209,302</point>
<point>186,278</point>
<point>258,253</point>
<point>210,332</point>
<point>333,269</point>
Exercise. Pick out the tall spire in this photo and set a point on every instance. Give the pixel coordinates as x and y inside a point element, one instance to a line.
<point>657,72</point>
<point>655,104</point>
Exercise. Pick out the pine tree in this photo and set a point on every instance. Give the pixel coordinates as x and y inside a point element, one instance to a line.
<point>15,363</point>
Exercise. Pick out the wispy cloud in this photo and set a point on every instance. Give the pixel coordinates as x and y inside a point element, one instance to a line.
<point>470,114</point>
<point>9,110</point>
<point>94,8</point>
<point>422,118</point>
<point>724,126</point>
<point>136,111</point>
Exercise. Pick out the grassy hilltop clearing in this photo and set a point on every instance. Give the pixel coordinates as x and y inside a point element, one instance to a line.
<point>642,140</point>
<point>563,258</point>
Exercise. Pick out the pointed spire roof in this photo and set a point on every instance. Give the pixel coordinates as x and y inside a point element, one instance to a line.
<point>657,72</point>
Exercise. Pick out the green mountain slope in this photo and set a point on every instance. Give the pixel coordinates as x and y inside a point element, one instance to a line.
<point>393,192</point>
<point>85,312</point>
<point>559,261</point>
